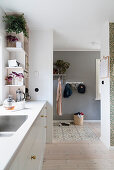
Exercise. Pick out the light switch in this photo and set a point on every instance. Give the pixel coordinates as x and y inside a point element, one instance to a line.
<point>36,73</point>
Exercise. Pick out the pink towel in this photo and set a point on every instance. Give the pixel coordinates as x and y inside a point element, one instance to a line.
<point>59,98</point>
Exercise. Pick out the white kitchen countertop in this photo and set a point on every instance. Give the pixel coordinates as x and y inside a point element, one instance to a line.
<point>9,145</point>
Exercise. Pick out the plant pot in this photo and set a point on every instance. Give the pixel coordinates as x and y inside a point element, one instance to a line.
<point>9,82</point>
<point>15,80</point>
<point>20,81</point>
<point>18,44</point>
<point>20,37</point>
<point>11,44</point>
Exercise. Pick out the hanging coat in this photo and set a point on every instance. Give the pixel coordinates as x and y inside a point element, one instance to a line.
<point>59,98</point>
<point>67,91</point>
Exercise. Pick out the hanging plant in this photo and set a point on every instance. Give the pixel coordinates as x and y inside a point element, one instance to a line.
<point>62,66</point>
<point>15,23</point>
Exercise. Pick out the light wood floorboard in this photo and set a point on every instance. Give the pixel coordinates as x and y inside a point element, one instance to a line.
<point>79,156</point>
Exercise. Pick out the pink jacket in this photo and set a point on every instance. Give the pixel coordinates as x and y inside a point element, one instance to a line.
<point>59,98</point>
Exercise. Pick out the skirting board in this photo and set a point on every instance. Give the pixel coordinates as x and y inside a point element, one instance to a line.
<point>91,121</point>
<point>111,148</point>
<point>104,142</point>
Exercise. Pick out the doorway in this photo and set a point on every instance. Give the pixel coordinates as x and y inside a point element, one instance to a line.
<point>82,70</point>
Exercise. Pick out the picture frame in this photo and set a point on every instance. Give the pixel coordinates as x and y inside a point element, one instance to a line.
<point>105,67</point>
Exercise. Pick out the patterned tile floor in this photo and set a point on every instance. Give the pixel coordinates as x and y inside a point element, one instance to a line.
<point>73,133</point>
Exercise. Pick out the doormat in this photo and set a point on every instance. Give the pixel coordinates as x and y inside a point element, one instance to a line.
<point>73,133</point>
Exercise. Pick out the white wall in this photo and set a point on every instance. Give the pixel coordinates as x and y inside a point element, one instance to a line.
<point>105,92</point>
<point>41,71</point>
<point>3,58</point>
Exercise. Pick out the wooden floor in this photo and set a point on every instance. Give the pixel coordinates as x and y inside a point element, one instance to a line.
<point>80,156</point>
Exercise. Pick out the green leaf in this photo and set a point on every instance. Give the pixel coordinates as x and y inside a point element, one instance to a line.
<point>15,23</point>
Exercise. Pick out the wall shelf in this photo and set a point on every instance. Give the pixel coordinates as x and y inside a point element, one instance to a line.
<point>58,75</point>
<point>21,55</point>
<point>14,67</point>
<point>14,85</point>
<point>14,49</point>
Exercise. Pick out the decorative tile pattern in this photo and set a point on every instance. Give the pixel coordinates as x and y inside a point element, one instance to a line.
<point>73,133</point>
<point>111,30</point>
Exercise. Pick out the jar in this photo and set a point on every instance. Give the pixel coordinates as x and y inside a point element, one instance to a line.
<point>9,103</point>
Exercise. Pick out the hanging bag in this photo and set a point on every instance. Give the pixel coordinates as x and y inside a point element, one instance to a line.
<point>67,91</point>
<point>81,88</point>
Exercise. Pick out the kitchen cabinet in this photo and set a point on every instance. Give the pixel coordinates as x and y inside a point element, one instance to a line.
<point>29,155</point>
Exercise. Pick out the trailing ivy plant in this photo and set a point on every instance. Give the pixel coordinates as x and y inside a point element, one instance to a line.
<point>15,23</point>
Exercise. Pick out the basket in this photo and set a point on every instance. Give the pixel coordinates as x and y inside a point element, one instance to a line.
<point>78,121</point>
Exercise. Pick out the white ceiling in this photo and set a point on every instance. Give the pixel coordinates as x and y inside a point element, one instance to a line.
<point>77,24</point>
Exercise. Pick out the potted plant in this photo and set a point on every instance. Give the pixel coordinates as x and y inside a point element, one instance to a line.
<point>11,41</point>
<point>9,79</point>
<point>15,23</point>
<point>16,27</point>
<point>61,66</point>
<point>18,77</point>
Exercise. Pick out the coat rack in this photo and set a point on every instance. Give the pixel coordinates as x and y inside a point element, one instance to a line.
<point>73,82</point>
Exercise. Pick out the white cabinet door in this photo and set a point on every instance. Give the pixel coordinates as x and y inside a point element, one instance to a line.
<point>34,154</point>
<point>21,158</point>
<point>30,155</point>
<point>39,142</point>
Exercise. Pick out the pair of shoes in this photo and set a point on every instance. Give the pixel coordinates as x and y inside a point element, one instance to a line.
<point>64,124</point>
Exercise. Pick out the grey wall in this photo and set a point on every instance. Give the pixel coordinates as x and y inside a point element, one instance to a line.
<point>82,68</point>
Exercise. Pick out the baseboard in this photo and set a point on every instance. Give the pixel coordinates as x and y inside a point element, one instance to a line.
<point>111,148</point>
<point>106,144</point>
<point>91,121</point>
<point>62,120</point>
